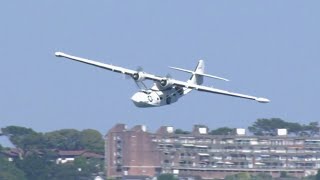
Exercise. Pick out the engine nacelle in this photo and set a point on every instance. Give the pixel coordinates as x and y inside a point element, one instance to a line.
<point>139,76</point>
<point>164,84</point>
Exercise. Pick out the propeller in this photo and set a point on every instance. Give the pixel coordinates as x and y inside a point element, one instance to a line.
<point>135,76</point>
<point>168,76</point>
<point>138,69</point>
<point>164,81</point>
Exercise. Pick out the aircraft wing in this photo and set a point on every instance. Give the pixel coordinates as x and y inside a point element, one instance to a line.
<point>108,66</point>
<point>218,91</point>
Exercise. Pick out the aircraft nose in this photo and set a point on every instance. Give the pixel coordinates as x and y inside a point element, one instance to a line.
<point>137,99</point>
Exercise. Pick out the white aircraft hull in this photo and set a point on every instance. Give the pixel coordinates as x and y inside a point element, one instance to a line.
<point>155,98</point>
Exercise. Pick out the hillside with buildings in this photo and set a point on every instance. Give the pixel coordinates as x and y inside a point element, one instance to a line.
<point>269,149</point>
<point>62,154</point>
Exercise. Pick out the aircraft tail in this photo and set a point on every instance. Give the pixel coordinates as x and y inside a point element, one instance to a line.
<point>197,77</point>
<point>198,74</point>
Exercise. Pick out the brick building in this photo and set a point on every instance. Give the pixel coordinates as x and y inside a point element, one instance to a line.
<point>131,152</point>
<point>138,152</point>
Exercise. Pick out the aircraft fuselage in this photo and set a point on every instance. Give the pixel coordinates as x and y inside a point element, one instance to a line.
<point>155,98</point>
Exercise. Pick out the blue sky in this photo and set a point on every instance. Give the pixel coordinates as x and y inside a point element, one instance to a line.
<point>266,48</point>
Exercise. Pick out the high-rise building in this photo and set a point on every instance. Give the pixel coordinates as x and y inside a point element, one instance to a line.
<point>131,152</point>
<point>138,152</point>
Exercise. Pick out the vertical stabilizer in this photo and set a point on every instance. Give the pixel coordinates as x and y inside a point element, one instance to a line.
<point>196,78</point>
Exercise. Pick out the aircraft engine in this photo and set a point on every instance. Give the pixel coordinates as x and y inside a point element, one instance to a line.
<point>164,83</point>
<point>139,76</point>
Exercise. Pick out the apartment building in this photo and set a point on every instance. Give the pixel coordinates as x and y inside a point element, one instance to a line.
<point>136,151</point>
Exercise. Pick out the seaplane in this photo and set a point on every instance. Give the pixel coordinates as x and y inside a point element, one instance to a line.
<point>165,90</point>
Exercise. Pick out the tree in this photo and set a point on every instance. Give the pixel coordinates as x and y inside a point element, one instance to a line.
<point>263,127</point>
<point>39,160</point>
<point>294,128</point>
<point>239,176</point>
<point>35,167</point>
<point>9,171</point>
<point>262,176</point>
<point>180,131</point>
<point>16,130</point>
<point>24,138</point>
<point>318,175</point>
<point>66,172</point>
<point>270,126</point>
<point>92,140</point>
<point>266,126</point>
<point>87,166</point>
<point>81,169</point>
<point>166,177</point>
<point>16,134</point>
<point>312,129</point>
<point>71,139</point>
<point>283,174</point>
<point>221,131</point>
<point>65,139</point>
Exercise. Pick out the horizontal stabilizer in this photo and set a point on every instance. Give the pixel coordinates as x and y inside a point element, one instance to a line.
<point>201,74</point>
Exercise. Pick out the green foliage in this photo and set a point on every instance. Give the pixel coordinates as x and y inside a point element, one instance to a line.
<point>180,131</point>
<point>92,140</point>
<point>38,168</point>
<point>166,177</point>
<point>283,174</point>
<point>71,139</point>
<point>65,139</point>
<point>318,175</point>
<point>67,172</point>
<point>247,176</point>
<point>312,128</point>
<point>239,176</point>
<point>311,177</point>
<point>24,138</point>
<point>88,166</point>
<point>17,131</point>
<point>262,176</point>
<point>38,162</point>
<point>222,131</point>
<point>35,167</point>
<point>9,171</point>
<point>264,127</point>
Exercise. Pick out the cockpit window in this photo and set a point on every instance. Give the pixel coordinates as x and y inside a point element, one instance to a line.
<point>146,92</point>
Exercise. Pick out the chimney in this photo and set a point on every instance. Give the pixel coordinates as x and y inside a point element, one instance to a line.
<point>240,131</point>
<point>200,130</point>
<point>282,132</point>
<point>165,130</point>
<point>139,128</point>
